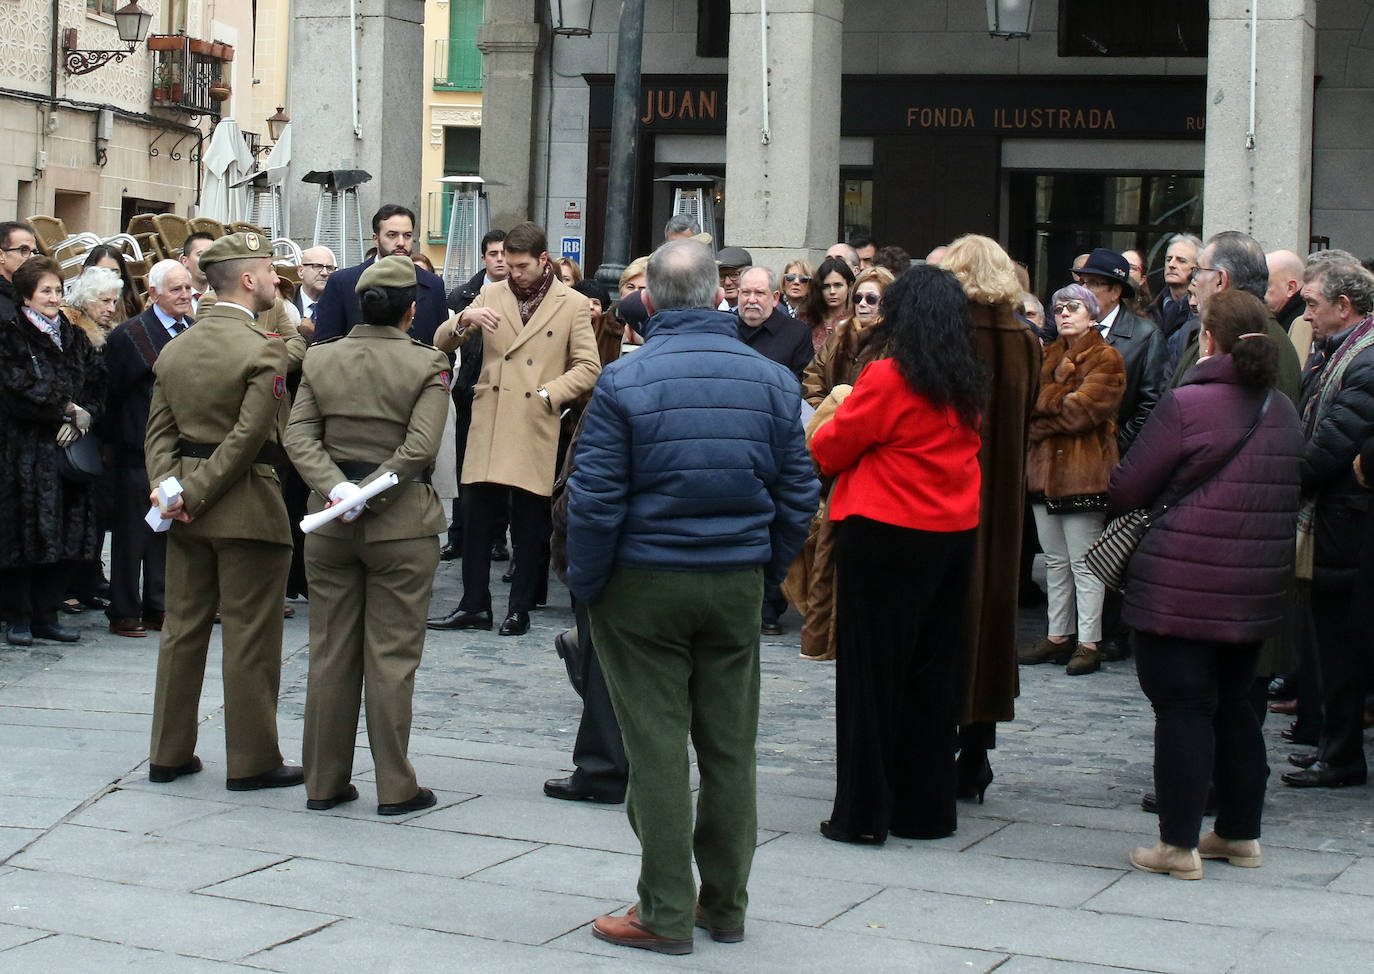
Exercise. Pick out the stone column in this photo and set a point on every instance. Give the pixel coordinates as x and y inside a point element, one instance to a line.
<point>390,83</point>
<point>1264,190</point>
<point>509,40</point>
<point>782,197</point>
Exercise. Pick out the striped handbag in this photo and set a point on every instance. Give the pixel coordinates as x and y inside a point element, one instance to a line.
<point>1110,555</point>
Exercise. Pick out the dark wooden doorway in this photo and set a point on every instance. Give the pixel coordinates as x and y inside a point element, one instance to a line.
<point>929,189</point>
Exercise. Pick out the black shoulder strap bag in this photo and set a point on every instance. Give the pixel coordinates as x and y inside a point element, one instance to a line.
<point>1110,555</point>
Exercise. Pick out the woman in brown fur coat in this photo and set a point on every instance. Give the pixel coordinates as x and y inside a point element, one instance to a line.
<point>1072,453</point>
<point>810,583</point>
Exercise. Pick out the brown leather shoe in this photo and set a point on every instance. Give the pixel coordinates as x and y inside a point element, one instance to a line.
<point>627,931</point>
<point>721,935</point>
<point>153,621</point>
<point>128,627</point>
<point>1289,707</point>
<point>1048,651</point>
<point>1084,661</point>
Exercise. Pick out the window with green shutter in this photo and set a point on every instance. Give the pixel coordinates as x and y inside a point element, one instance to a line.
<point>458,63</point>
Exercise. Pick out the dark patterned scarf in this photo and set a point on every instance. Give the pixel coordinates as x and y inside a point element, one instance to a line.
<point>529,300</point>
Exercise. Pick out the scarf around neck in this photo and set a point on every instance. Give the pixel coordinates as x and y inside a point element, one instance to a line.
<point>530,299</point>
<point>48,326</point>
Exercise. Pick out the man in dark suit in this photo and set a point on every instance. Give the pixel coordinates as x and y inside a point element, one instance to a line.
<point>393,232</point>
<point>130,352</point>
<point>1141,344</point>
<point>1138,340</point>
<point>766,328</point>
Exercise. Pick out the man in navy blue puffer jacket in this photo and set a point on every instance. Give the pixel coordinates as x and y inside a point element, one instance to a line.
<point>692,487</point>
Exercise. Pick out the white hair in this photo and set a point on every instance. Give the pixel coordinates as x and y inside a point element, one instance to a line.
<point>92,284</point>
<point>158,274</point>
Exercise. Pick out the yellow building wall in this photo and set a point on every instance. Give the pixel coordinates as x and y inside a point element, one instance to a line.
<point>442,108</point>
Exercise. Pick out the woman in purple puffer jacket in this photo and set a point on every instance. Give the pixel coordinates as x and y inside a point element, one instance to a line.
<point>1207,584</point>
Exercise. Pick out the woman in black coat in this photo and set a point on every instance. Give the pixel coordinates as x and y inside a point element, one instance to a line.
<point>52,386</point>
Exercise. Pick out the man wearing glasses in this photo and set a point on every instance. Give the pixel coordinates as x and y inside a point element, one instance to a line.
<point>317,264</point>
<point>19,243</point>
<point>1233,261</point>
<point>730,262</point>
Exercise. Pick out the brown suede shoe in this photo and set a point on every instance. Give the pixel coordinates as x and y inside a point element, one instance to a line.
<point>1238,852</point>
<point>1048,651</point>
<point>1084,661</point>
<point>627,931</point>
<point>1178,862</point>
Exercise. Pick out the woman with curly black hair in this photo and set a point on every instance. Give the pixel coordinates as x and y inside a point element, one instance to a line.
<point>904,447</point>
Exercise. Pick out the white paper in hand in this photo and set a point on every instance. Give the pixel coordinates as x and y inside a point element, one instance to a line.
<point>167,493</point>
<point>385,482</point>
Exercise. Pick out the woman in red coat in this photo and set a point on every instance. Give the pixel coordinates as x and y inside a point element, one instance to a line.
<point>904,449</point>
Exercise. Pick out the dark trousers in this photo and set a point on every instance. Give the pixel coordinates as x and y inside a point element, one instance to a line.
<point>136,551</point>
<point>462,420</point>
<point>598,752</point>
<point>898,600</point>
<point>484,508</point>
<point>1343,663</point>
<point>681,657</point>
<point>295,493</point>
<point>1205,731</point>
<point>29,595</point>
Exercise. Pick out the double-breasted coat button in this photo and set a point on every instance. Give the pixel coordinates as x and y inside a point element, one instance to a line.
<point>529,361</point>
<point>550,334</point>
<point>527,395</point>
<point>507,358</point>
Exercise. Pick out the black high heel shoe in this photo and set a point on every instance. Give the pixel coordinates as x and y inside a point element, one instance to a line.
<point>973,776</point>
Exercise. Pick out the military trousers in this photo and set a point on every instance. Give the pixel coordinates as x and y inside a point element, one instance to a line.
<point>244,581</point>
<point>368,603</point>
<point>680,653</point>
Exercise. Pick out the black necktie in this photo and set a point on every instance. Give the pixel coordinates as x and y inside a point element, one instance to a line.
<point>177,328</point>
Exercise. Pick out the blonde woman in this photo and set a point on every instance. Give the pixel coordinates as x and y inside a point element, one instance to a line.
<point>1011,355</point>
<point>796,285</point>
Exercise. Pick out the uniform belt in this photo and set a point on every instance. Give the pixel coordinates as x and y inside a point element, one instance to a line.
<point>362,469</point>
<point>269,453</point>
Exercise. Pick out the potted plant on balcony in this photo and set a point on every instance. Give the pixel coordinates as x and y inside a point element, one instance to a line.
<point>161,83</point>
<point>199,46</point>
<point>174,81</point>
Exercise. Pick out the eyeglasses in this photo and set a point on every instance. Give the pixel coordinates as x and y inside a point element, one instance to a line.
<point>794,278</point>
<point>321,268</point>
<point>867,298</point>
<point>1199,269</point>
<point>23,251</point>
<point>1072,307</point>
<point>729,272</point>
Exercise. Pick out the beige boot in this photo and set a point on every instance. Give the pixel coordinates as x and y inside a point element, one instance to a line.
<point>1177,861</point>
<point>1238,852</point>
<point>1085,660</point>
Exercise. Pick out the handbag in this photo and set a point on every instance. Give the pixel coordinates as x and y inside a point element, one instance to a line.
<point>1109,557</point>
<point>80,462</point>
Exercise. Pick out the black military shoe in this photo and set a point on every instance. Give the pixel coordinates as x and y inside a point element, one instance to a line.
<point>516,624</point>
<point>460,619</point>
<point>424,798</point>
<point>286,776</point>
<point>163,773</point>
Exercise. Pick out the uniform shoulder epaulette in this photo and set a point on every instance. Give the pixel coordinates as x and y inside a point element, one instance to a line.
<point>326,341</point>
<point>416,341</point>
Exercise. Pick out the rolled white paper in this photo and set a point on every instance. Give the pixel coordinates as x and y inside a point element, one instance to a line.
<point>385,482</point>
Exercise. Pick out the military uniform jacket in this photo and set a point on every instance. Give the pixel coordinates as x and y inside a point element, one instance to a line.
<point>513,439</point>
<point>379,398</point>
<point>221,383</point>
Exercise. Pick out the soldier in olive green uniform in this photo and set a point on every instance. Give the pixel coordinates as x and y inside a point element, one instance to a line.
<point>218,414</point>
<point>371,402</point>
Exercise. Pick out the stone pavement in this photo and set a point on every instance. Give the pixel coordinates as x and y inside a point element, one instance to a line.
<point>101,870</point>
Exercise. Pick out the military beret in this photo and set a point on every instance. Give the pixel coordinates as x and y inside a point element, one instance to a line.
<point>236,246</point>
<point>393,271</point>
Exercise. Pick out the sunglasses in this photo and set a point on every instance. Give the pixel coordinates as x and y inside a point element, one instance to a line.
<point>794,278</point>
<point>1072,307</point>
<point>867,298</point>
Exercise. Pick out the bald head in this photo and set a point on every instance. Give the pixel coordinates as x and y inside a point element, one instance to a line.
<point>1285,278</point>
<point>846,253</point>
<point>936,255</point>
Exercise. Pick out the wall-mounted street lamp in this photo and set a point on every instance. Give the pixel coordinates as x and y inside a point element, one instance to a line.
<point>1010,18</point>
<point>571,18</point>
<point>131,21</point>
<point>276,124</point>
